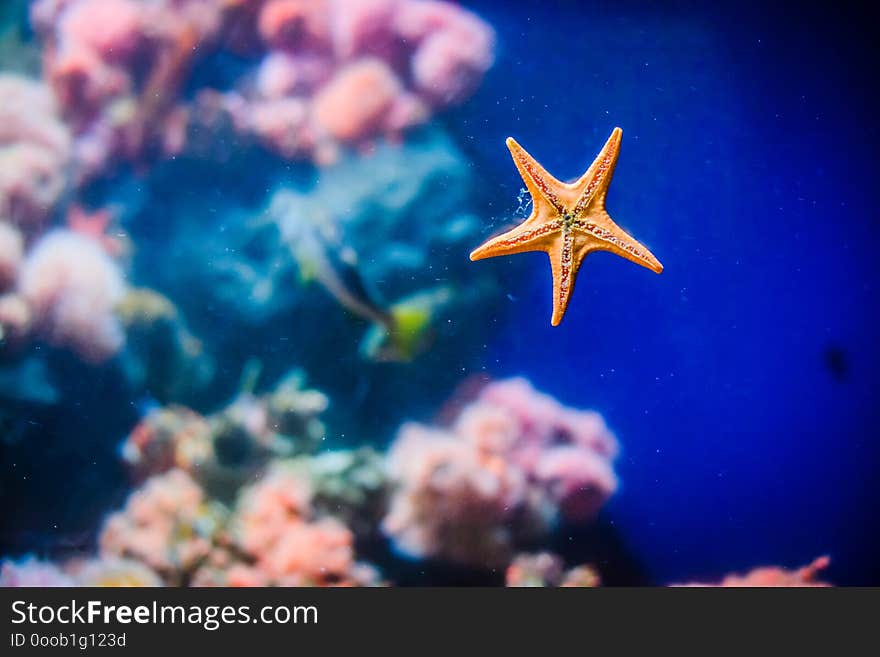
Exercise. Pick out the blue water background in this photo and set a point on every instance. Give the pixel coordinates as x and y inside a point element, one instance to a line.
<point>749,167</point>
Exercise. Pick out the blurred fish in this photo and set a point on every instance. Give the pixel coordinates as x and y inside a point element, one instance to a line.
<point>399,332</point>
<point>411,331</point>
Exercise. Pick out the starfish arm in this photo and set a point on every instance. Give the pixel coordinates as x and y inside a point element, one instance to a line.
<point>528,236</point>
<point>564,262</point>
<point>539,183</point>
<point>608,236</point>
<point>594,183</point>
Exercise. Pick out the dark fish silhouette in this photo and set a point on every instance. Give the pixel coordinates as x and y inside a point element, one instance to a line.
<point>837,362</point>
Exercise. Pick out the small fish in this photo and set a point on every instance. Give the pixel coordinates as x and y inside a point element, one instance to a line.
<point>410,332</point>
<point>399,332</point>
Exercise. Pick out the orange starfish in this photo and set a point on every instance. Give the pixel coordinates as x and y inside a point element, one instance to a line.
<point>568,222</point>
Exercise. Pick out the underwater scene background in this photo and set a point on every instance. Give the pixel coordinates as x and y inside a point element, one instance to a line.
<point>241,341</point>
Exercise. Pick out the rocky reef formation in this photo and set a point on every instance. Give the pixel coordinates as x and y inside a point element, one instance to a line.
<point>247,495</point>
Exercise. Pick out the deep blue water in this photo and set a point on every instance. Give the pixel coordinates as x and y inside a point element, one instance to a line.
<point>741,381</point>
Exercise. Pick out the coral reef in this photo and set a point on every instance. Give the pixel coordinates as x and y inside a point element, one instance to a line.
<point>767,576</point>
<point>228,447</point>
<point>275,526</point>
<point>61,284</point>
<point>168,525</point>
<point>547,569</point>
<point>513,463</point>
<point>35,148</point>
<point>98,145</point>
<point>327,74</point>
<point>30,571</point>
<point>113,572</point>
<point>72,288</point>
<point>473,493</point>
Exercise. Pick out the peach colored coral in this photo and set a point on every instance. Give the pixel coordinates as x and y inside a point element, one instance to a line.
<point>275,526</point>
<point>72,287</point>
<point>353,104</point>
<point>282,497</point>
<point>773,576</point>
<point>165,524</point>
<point>311,553</point>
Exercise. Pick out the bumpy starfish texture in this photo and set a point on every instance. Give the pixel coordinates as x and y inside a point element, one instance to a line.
<point>568,222</point>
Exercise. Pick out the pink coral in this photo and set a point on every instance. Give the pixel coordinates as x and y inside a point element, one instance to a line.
<point>333,73</point>
<point>295,24</point>
<point>455,49</point>
<point>773,576</point>
<point>365,27</point>
<point>567,452</point>
<point>167,524</point>
<point>452,502</point>
<point>282,74</point>
<point>353,104</point>
<point>274,524</point>
<point>30,571</point>
<point>73,287</point>
<point>310,553</point>
<point>282,125</point>
<point>281,498</point>
<point>83,82</point>
<point>513,461</point>
<point>35,147</point>
<point>449,64</point>
<point>578,480</point>
<point>111,28</point>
